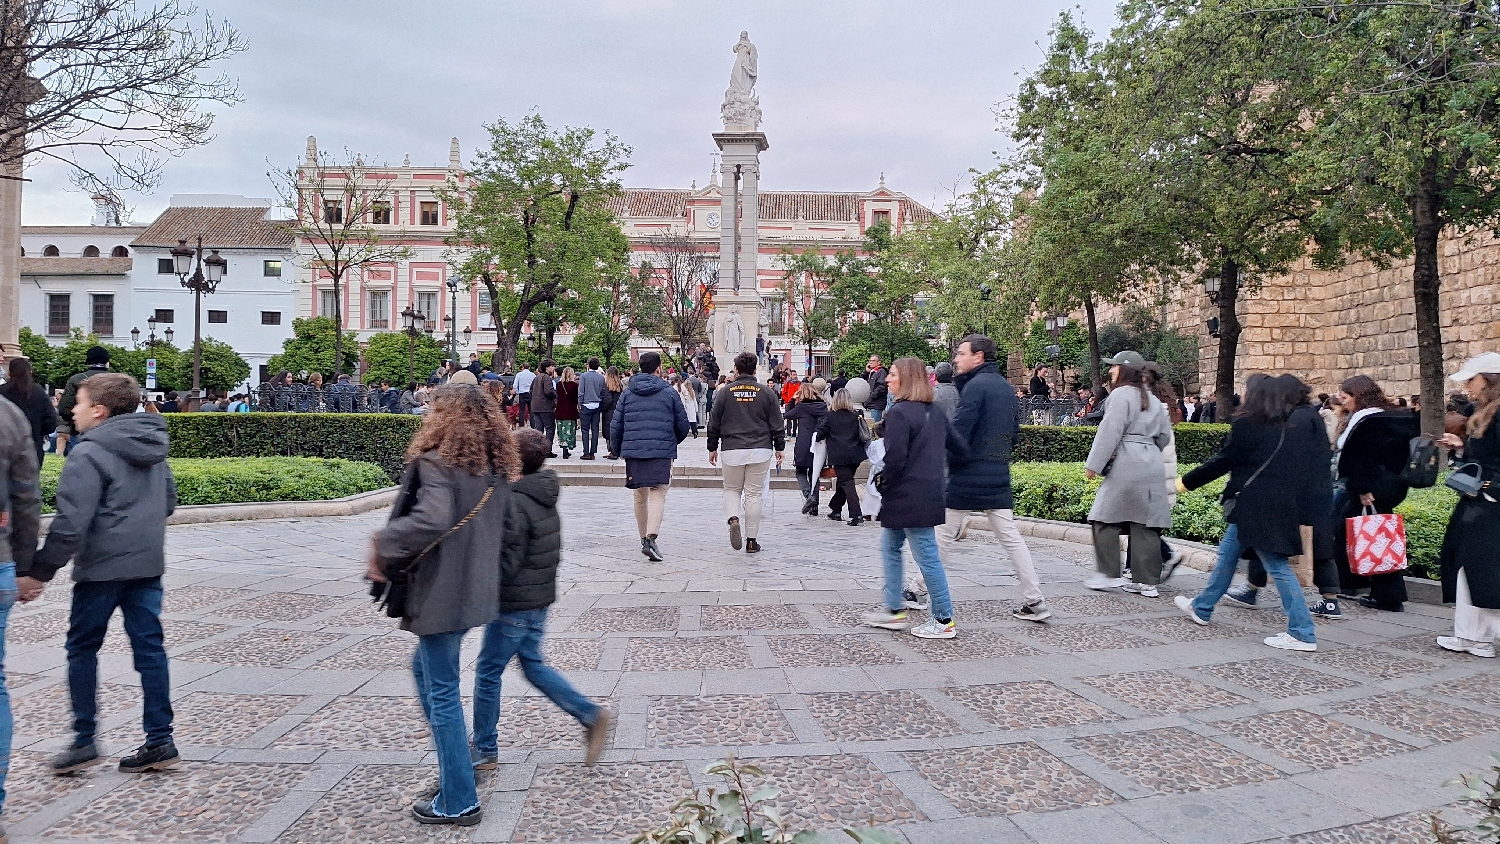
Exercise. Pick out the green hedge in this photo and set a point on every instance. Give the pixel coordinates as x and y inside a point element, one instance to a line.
<point>236,480</point>
<point>1058,444</point>
<point>379,438</point>
<point>1059,491</point>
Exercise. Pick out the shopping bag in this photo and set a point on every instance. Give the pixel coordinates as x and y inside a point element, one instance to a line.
<point>1377,542</point>
<point>1302,564</point>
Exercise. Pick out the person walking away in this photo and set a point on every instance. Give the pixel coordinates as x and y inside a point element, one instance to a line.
<point>911,488</point>
<point>1152,381</point>
<point>843,433</point>
<point>875,377</point>
<point>689,402</point>
<point>96,362</point>
<point>790,387</point>
<point>1372,450</point>
<point>591,390</point>
<point>1470,557</point>
<point>807,414</point>
<point>113,499</point>
<point>746,421</point>
<point>22,391</point>
<point>985,429</point>
<point>1132,498</point>
<point>944,394</point>
<point>649,422</point>
<point>1038,388</point>
<point>522,385</point>
<point>567,411</point>
<point>528,586</point>
<point>614,387</point>
<point>18,535</point>
<point>544,402</point>
<point>441,537</point>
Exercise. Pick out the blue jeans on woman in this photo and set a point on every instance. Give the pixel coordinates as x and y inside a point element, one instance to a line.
<point>519,634</point>
<point>924,549</point>
<point>1299,621</point>
<point>435,667</point>
<point>7,600</point>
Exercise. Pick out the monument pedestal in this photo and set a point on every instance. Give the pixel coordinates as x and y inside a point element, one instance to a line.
<point>737,303</point>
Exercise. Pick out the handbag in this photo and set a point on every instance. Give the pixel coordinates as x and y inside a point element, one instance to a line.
<point>864,429</point>
<point>828,472</point>
<point>1377,542</point>
<point>1469,486</point>
<point>391,595</point>
<point>1227,503</point>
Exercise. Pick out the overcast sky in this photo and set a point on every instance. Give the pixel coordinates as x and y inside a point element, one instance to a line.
<point>848,89</point>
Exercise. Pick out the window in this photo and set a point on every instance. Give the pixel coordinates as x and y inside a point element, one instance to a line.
<point>776,310</point>
<point>164,266</point>
<point>59,316</point>
<point>427,305</point>
<point>271,269</point>
<point>380,213</point>
<point>164,315</point>
<point>878,217</point>
<point>270,317</point>
<point>50,251</point>
<point>220,317</point>
<point>380,309</point>
<point>104,314</point>
<point>325,303</point>
<point>333,211</point>
<point>119,252</point>
<point>90,251</point>
<point>429,213</point>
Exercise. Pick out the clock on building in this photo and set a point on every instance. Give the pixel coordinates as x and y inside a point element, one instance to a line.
<point>712,219</point>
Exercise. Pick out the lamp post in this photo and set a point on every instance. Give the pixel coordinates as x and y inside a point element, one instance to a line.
<point>414,323</point>
<point>1211,287</point>
<point>450,322</point>
<point>205,278</point>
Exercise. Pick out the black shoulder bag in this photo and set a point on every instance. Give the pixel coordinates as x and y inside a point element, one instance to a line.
<point>1227,502</point>
<point>391,595</point>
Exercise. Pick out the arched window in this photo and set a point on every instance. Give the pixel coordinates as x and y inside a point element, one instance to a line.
<point>91,251</point>
<point>50,251</point>
<point>119,252</point>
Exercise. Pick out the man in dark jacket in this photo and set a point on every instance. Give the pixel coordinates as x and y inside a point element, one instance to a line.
<point>22,500</point>
<point>533,550</point>
<point>97,358</point>
<point>875,375</point>
<point>113,499</point>
<point>746,420</point>
<point>544,402</point>
<point>645,427</point>
<point>985,429</point>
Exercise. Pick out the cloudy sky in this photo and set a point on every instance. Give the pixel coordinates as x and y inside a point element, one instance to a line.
<point>848,89</point>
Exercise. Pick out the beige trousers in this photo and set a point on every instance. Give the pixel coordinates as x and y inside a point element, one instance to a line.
<point>1003,525</point>
<point>743,485</point>
<point>650,506</point>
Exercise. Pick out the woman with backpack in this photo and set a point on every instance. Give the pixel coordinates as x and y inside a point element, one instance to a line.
<point>1470,558</point>
<point>843,429</point>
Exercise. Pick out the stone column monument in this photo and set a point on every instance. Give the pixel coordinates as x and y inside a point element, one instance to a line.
<point>737,305</point>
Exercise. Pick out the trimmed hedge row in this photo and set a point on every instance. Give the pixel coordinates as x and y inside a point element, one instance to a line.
<point>1059,444</point>
<point>235,480</point>
<point>379,438</point>
<point>1059,491</point>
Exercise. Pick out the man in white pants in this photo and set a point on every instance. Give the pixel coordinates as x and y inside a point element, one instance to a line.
<point>746,420</point>
<point>985,428</point>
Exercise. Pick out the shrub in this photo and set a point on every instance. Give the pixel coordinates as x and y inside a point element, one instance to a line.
<point>1197,441</point>
<point>1058,444</point>
<point>240,480</point>
<point>379,438</point>
<point>1426,513</point>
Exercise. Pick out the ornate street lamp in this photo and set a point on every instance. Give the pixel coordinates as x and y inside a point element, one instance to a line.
<point>205,278</point>
<point>135,338</point>
<point>1211,287</point>
<point>414,324</point>
<point>450,322</point>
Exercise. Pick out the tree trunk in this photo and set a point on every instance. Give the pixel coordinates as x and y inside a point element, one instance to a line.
<point>1427,224</point>
<point>338,326</point>
<point>1095,378</point>
<point>1229,339</point>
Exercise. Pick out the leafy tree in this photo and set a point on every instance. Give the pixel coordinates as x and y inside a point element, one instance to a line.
<point>311,349</point>
<point>1072,343</point>
<point>389,355</point>
<point>811,312</point>
<point>964,260</point>
<point>1142,330</point>
<point>169,368</point>
<point>36,349</point>
<point>533,221</point>
<point>891,341</point>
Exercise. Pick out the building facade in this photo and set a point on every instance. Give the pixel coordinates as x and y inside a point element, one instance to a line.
<point>78,277</point>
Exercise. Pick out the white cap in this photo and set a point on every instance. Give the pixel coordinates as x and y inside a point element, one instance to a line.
<point>1486,364</point>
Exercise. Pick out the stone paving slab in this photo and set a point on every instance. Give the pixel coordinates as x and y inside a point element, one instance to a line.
<point>1117,721</point>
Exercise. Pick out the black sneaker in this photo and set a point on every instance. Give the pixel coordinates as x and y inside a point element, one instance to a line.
<point>422,812</point>
<point>150,759</point>
<point>734,533</point>
<point>1371,604</point>
<point>1326,609</point>
<point>482,761</point>
<point>75,759</point>
<point>752,547</point>
<point>856,522</point>
<point>809,506</point>
<point>836,516</point>
<point>648,547</point>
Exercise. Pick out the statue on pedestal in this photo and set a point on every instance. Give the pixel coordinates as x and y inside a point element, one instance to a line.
<point>734,333</point>
<point>741,108</point>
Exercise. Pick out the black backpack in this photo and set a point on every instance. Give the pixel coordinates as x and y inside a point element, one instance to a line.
<point>1423,460</point>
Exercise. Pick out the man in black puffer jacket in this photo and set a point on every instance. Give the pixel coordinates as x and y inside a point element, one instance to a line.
<point>528,578</point>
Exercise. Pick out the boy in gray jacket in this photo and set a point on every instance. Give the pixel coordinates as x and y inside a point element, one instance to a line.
<point>113,499</point>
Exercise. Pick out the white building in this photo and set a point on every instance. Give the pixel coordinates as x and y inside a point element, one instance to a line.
<point>77,277</point>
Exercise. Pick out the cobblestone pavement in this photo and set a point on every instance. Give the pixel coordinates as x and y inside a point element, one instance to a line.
<point>1119,721</point>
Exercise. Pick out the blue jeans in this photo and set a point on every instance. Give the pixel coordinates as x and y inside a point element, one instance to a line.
<point>519,634</point>
<point>7,600</point>
<point>924,550</point>
<point>94,602</point>
<point>588,420</point>
<point>1299,621</point>
<point>435,668</point>
<point>875,413</point>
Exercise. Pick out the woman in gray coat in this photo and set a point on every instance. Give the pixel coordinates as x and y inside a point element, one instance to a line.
<point>1127,452</point>
<point>443,539</point>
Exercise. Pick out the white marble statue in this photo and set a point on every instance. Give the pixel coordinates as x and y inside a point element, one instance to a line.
<point>741,109</point>
<point>734,333</point>
<point>746,66</point>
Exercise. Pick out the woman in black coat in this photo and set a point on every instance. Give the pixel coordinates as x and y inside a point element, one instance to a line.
<point>1372,450</point>
<point>1471,555</point>
<point>839,428</point>
<point>911,489</point>
<point>23,392</point>
<point>808,409</point>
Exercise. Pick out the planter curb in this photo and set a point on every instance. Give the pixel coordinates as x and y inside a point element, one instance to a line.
<point>351,505</point>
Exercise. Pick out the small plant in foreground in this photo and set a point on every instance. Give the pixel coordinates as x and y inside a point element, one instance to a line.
<point>1483,794</point>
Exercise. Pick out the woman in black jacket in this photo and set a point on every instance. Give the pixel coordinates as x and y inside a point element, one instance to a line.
<point>1470,557</point>
<point>23,392</point>
<point>911,489</point>
<point>809,409</point>
<point>1264,502</point>
<point>613,387</point>
<point>840,429</point>
<point>1372,449</point>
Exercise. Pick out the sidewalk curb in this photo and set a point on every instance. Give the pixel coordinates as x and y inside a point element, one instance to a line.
<point>194,514</point>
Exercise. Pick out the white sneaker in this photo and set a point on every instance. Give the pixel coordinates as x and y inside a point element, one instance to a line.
<point>1288,642</point>
<point>1101,583</point>
<point>1143,589</point>
<point>886,620</point>
<point>1185,604</point>
<point>935,629</point>
<point>1480,649</point>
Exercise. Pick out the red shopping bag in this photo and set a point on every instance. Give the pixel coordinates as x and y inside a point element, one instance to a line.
<point>1377,542</point>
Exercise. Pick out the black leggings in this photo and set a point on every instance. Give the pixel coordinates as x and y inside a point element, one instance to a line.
<point>844,490</point>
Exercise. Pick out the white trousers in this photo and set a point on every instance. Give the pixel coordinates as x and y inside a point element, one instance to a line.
<point>1003,525</point>
<point>743,487</point>
<point>1470,622</point>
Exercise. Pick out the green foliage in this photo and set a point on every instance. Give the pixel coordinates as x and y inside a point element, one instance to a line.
<point>388,357</point>
<point>1484,796</point>
<point>379,438</point>
<point>240,480</point>
<point>1066,444</point>
<point>851,352</point>
<point>1426,513</point>
<point>1072,343</point>
<point>310,349</point>
<point>37,350</point>
<point>1141,329</point>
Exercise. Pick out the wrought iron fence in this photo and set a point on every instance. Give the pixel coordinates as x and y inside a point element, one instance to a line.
<point>337,398</point>
<point>1035,410</point>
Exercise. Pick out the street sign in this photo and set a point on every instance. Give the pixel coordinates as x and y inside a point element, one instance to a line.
<point>150,373</point>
